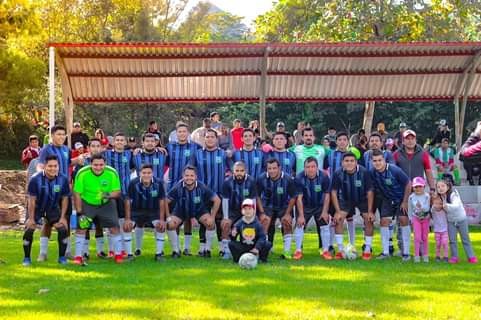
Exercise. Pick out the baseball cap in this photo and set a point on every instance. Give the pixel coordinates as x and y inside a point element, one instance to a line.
<point>403,125</point>
<point>76,124</point>
<point>78,145</point>
<point>442,122</point>
<point>389,142</point>
<point>248,203</point>
<point>409,133</point>
<point>280,124</point>
<point>419,182</point>
<point>131,139</point>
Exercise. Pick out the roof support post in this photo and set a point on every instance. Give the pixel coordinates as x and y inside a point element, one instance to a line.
<point>368,117</point>
<point>51,87</point>
<point>67,96</point>
<point>262,94</point>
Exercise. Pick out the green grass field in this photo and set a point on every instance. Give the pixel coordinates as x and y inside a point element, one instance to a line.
<point>195,288</point>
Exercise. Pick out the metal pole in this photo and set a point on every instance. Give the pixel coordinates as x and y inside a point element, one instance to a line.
<point>262,95</point>
<point>51,87</point>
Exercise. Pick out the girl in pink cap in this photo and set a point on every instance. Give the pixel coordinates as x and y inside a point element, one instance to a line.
<point>418,209</point>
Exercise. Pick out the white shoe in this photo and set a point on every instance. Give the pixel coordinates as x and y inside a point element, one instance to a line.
<point>42,257</point>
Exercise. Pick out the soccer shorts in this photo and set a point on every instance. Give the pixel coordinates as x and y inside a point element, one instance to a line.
<point>105,215</point>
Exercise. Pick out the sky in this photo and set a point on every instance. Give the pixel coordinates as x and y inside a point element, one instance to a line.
<point>249,9</point>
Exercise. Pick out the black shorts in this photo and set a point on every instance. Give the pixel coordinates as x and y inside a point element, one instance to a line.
<point>390,209</point>
<point>49,218</point>
<point>120,207</point>
<point>145,218</point>
<point>189,215</point>
<point>105,215</point>
<point>234,216</point>
<point>274,213</point>
<point>350,208</point>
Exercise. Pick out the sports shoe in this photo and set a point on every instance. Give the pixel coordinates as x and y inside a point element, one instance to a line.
<point>42,257</point>
<point>111,254</point>
<point>137,252</point>
<point>159,257</point>
<point>326,255</point>
<point>417,259</point>
<point>473,260</point>
<point>207,254</point>
<point>200,254</point>
<point>27,262</point>
<point>119,258</point>
<point>383,256</point>
<point>391,250</point>
<point>339,256</point>
<point>102,255</point>
<point>221,253</point>
<point>364,248</point>
<point>186,252</point>
<point>425,259</point>
<point>437,259</point>
<point>78,260</point>
<point>366,256</point>
<point>129,258</point>
<point>453,260</point>
<point>226,256</point>
<point>123,253</point>
<point>286,255</point>
<point>175,255</point>
<point>331,250</point>
<point>86,256</point>
<point>62,260</point>
<point>297,255</point>
<point>406,258</point>
<point>445,259</point>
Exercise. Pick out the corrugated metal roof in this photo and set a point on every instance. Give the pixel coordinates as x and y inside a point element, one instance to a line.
<point>156,72</point>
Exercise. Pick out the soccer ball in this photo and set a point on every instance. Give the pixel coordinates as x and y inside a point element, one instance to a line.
<point>248,261</point>
<point>350,252</point>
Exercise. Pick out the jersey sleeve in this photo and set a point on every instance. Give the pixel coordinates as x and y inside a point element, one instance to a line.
<point>172,195</point>
<point>32,187</point>
<point>400,176</point>
<point>115,182</point>
<point>336,181</point>
<point>368,181</point>
<point>131,190</point>
<point>292,189</point>
<point>43,155</point>
<point>325,183</point>
<point>78,185</point>
<point>65,191</point>
<point>426,161</point>
<point>209,195</point>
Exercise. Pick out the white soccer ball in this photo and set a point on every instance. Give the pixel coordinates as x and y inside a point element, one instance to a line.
<point>248,261</point>
<point>350,252</point>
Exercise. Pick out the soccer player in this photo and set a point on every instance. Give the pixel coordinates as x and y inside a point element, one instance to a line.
<point>191,199</point>
<point>235,190</point>
<point>278,193</point>
<point>352,188</point>
<point>252,157</point>
<point>308,149</point>
<point>211,164</point>
<point>148,155</point>
<point>392,189</point>
<point>375,143</point>
<point>180,154</point>
<point>48,200</point>
<point>286,158</point>
<point>251,234</point>
<point>313,202</point>
<point>145,204</point>
<point>96,188</point>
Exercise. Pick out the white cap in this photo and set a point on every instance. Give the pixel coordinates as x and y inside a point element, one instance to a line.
<point>78,145</point>
<point>248,203</point>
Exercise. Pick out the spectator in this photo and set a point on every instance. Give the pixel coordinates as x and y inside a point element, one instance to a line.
<point>100,134</point>
<point>398,137</point>
<point>355,138</point>
<point>198,134</point>
<point>381,129</point>
<point>331,135</point>
<point>326,142</point>
<point>471,155</point>
<point>131,144</point>
<point>31,152</point>
<point>78,136</point>
<point>362,146</point>
<point>173,133</point>
<point>225,139</point>
<point>298,133</point>
<point>390,145</point>
<point>281,127</point>
<point>215,121</point>
<point>154,129</point>
<point>236,134</point>
<point>444,157</point>
<point>442,133</point>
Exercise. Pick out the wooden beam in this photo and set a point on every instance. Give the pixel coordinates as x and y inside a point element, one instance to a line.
<point>469,81</point>
<point>262,95</point>
<point>368,117</point>
<point>67,96</point>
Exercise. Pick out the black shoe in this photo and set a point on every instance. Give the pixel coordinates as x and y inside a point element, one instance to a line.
<point>471,182</point>
<point>201,254</point>
<point>186,252</point>
<point>332,251</point>
<point>137,252</point>
<point>175,255</point>
<point>364,248</point>
<point>391,250</point>
<point>129,258</point>
<point>102,255</point>
<point>207,254</point>
<point>86,256</point>
<point>221,253</point>
<point>159,257</point>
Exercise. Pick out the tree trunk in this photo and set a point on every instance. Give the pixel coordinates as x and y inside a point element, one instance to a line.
<point>368,117</point>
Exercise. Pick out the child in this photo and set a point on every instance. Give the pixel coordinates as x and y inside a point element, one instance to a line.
<point>418,210</point>
<point>440,227</point>
<point>251,233</point>
<point>457,220</point>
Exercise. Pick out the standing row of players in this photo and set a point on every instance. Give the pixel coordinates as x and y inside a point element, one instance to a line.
<point>282,182</point>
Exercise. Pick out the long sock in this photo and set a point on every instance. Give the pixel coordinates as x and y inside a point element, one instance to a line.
<point>385,240</point>
<point>188,240</point>
<point>202,246</point>
<point>159,241</point>
<point>27,242</point>
<point>128,242</point>
<point>202,238</point>
<point>325,237</point>
<point>287,242</point>
<point>68,250</point>
<point>332,235</point>
<point>43,245</point>
<point>225,245</point>
<point>99,244</point>
<point>391,233</point>
<point>62,241</point>
<point>406,239</point>
<point>117,242</point>
<point>174,241</point>
<point>86,246</point>
<point>351,228</point>
<point>209,236</point>
<point>368,243</point>
<point>299,236</point>
<point>139,238</point>
<point>111,242</point>
<point>340,241</point>
<point>79,244</point>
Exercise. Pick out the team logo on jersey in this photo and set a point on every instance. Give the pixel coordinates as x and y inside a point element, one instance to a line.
<point>257,160</point>
<point>249,235</point>
<point>317,188</point>
<point>287,161</point>
<point>154,193</point>
<point>65,154</point>
<point>104,183</point>
<point>358,183</point>
<point>388,181</point>
<point>245,192</point>
<point>280,190</point>
<point>187,153</point>
<point>218,159</point>
<point>196,199</point>
<point>124,159</point>
<point>156,162</point>
<point>56,188</point>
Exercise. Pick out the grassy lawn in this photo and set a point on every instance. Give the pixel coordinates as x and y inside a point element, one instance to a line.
<point>195,288</point>
<point>10,164</point>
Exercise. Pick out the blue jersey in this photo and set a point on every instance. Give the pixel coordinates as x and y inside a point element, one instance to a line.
<point>191,203</point>
<point>237,190</point>
<point>254,161</point>
<point>156,159</point>
<point>367,157</point>
<point>334,161</point>
<point>211,167</point>
<point>146,198</point>
<point>180,155</point>
<point>287,159</point>
<point>122,163</point>
<point>390,183</point>
<point>63,155</point>
<point>48,193</point>
<point>276,194</point>
<point>352,188</point>
<point>313,190</point>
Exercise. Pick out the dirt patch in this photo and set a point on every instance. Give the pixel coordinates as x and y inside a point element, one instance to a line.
<point>12,191</point>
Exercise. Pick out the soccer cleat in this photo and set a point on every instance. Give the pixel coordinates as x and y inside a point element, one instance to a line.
<point>42,257</point>
<point>200,254</point>
<point>364,248</point>
<point>226,256</point>
<point>159,257</point>
<point>137,252</point>
<point>297,255</point>
<point>221,253</point>
<point>473,260</point>
<point>129,258</point>
<point>186,252</point>
<point>176,255</point>
<point>406,258</point>
<point>27,262</point>
<point>332,251</point>
<point>382,256</point>
<point>86,256</point>
<point>111,254</point>
<point>78,260</point>
<point>366,256</point>
<point>62,260</point>
<point>326,255</point>
<point>123,253</point>
<point>391,250</point>
<point>102,255</point>
<point>207,254</point>
<point>453,260</point>
<point>286,255</point>
<point>119,258</point>
<point>339,256</point>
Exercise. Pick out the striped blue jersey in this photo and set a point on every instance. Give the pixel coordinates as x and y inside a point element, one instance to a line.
<point>122,163</point>
<point>367,158</point>
<point>313,190</point>
<point>276,194</point>
<point>352,188</point>
<point>63,155</point>
<point>211,167</point>
<point>48,193</point>
<point>145,197</point>
<point>180,155</point>
<point>156,159</point>
<point>253,159</point>
<point>391,183</point>
<point>236,191</point>
<point>334,161</point>
<point>287,159</point>
<point>191,203</point>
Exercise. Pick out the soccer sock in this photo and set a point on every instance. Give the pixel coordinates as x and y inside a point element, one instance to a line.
<point>99,244</point>
<point>43,245</point>
<point>174,241</point>
<point>299,235</point>
<point>111,242</point>
<point>339,241</point>
<point>79,244</point>
<point>385,240</point>
<point>188,239</point>
<point>332,234</point>
<point>351,228</point>
<point>325,237</point>
<point>287,242</point>
<point>202,247</point>
<point>225,245</point>
<point>160,240</point>
<point>117,242</point>
<point>368,243</point>
<point>62,241</point>
<point>139,238</point>
<point>86,246</point>
<point>406,239</point>
<point>27,242</point>
<point>209,236</point>
<point>68,250</point>
<point>127,242</point>
<point>391,232</point>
